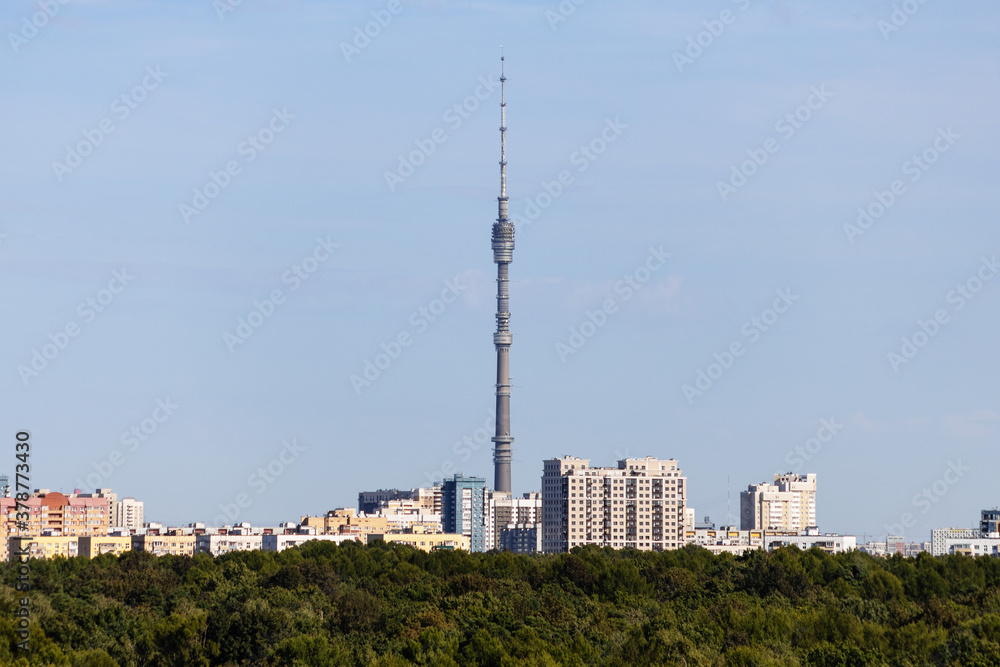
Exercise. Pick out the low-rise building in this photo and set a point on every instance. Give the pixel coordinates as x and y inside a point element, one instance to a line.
<point>979,546</point>
<point>91,546</point>
<point>282,542</point>
<point>727,539</point>
<point>218,544</point>
<point>831,543</point>
<point>346,521</point>
<point>429,499</point>
<point>158,542</point>
<point>42,546</point>
<point>942,539</point>
<point>876,549</point>
<point>426,541</point>
<point>403,514</point>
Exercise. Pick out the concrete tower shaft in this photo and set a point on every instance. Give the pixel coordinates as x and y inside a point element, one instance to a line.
<point>503,254</point>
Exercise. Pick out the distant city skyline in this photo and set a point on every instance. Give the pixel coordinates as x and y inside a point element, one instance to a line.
<point>213,220</point>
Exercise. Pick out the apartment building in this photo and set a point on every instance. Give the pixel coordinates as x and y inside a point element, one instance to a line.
<point>831,543</point>
<point>173,542</point>
<point>787,505</point>
<point>504,512</point>
<point>521,538</point>
<point>91,546</point>
<point>727,539</point>
<point>128,514</point>
<point>640,504</point>
<point>426,541</point>
<point>404,514</point>
<point>982,541</point>
<point>282,542</point>
<point>463,507</point>
<point>237,538</point>
<point>41,546</point>
<point>346,521</point>
<point>53,514</point>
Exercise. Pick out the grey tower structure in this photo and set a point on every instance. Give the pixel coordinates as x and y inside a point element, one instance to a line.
<point>503,254</point>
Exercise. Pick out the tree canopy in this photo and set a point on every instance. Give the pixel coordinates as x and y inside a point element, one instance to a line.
<point>388,605</point>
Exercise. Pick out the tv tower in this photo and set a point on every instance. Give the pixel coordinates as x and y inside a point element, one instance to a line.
<point>503,255</point>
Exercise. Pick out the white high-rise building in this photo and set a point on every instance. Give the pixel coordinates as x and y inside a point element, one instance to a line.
<point>787,505</point>
<point>128,514</point>
<point>640,504</point>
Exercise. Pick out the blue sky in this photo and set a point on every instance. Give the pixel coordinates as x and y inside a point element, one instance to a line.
<point>201,85</point>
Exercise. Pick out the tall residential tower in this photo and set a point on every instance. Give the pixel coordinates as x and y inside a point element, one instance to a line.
<point>503,254</point>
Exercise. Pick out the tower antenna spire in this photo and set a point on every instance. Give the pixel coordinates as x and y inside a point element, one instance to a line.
<point>503,139</point>
<point>503,255</point>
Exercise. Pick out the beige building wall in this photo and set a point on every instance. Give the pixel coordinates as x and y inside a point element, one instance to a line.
<point>42,547</point>
<point>346,521</point>
<point>95,545</point>
<point>787,505</point>
<point>640,504</point>
<point>426,541</point>
<point>162,545</point>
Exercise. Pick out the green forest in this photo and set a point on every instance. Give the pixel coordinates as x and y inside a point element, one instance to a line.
<point>385,604</point>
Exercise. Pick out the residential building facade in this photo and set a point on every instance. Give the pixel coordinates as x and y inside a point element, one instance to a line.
<point>91,546</point>
<point>787,505</point>
<point>504,513</point>
<point>463,502</point>
<point>165,542</point>
<point>640,504</point>
<point>129,514</point>
<point>53,514</point>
